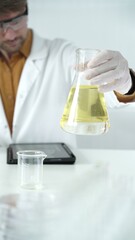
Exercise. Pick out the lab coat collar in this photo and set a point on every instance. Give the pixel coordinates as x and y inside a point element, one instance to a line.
<point>39,48</point>
<point>30,73</point>
<point>5,135</point>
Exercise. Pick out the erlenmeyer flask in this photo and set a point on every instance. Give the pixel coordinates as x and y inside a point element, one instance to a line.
<point>85,111</point>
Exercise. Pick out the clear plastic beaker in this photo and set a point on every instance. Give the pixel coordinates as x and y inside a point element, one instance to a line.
<point>85,112</point>
<point>31,168</point>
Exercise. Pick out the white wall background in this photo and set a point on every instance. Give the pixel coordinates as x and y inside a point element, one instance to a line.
<point>103,24</point>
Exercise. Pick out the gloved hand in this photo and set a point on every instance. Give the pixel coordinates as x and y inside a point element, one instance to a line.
<point>109,70</point>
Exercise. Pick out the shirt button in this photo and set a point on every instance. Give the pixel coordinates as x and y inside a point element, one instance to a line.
<point>10,97</point>
<point>8,70</point>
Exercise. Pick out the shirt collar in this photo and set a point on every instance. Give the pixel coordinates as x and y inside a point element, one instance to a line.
<point>26,47</point>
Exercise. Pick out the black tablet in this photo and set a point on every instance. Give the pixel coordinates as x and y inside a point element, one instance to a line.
<point>57,153</point>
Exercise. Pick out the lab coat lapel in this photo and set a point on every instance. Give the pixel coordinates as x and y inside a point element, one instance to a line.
<point>28,78</point>
<point>30,73</point>
<point>5,135</point>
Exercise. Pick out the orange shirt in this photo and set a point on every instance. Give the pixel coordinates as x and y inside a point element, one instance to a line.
<point>10,72</point>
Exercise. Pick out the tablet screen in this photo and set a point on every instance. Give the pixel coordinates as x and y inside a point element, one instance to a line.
<point>56,152</point>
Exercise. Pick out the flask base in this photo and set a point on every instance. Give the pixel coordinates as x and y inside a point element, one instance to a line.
<point>87,128</point>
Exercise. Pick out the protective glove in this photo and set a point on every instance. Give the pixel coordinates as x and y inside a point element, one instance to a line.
<point>109,70</point>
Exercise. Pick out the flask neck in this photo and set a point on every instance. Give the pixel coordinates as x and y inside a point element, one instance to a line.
<point>83,56</point>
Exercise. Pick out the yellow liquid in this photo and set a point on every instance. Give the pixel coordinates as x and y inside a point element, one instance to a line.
<point>85,112</point>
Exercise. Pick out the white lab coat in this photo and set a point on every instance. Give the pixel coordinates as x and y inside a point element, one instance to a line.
<point>42,92</point>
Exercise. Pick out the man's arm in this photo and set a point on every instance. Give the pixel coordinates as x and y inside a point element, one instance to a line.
<point>130,95</point>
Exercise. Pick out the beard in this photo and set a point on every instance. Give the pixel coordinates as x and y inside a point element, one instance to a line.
<point>12,46</point>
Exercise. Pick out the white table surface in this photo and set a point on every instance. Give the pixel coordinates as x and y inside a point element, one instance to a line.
<point>96,194</point>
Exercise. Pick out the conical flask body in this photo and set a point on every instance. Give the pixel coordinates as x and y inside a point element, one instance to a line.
<point>85,112</point>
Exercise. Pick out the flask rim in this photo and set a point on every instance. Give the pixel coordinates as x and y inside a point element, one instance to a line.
<point>92,50</point>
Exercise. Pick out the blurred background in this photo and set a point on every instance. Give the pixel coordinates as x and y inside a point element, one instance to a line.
<point>102,24</point>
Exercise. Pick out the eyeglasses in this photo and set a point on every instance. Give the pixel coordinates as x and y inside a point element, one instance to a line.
<point>14,23</point>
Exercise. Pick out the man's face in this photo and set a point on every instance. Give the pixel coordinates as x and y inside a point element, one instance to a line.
<point>13,31</point>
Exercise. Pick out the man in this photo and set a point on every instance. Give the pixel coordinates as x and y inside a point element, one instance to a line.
<point>36,76</point>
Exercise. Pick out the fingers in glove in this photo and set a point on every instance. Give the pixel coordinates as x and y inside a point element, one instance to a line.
<point>109,86</point>
<point>105,67</point>
<point>102,57</point>
<point>117,85</point>
<point>104,78</point>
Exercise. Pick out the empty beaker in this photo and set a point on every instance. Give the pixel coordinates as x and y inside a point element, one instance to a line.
<point>85,111</point>
<point>31,168</point>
